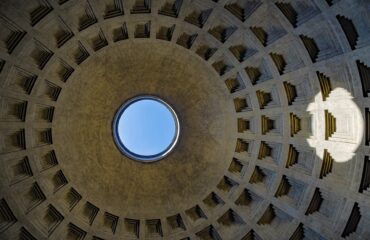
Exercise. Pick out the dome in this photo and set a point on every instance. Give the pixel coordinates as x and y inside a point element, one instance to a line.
<point>270,101</point>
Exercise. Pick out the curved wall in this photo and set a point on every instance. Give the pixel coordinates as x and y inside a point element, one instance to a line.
<point>273,97</point>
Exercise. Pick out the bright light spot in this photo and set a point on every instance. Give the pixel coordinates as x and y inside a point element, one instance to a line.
<point>343,143</point>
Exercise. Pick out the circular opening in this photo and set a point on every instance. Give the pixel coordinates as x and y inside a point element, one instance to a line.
<point>146,128</point>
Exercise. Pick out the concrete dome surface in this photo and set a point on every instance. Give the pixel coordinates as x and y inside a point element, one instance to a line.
<point>272,98</point>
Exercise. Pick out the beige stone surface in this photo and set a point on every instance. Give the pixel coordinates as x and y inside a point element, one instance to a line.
<point>273,102</point>
<point>83,129</point>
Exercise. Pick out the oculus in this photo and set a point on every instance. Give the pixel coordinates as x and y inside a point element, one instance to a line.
<point>146,128</point>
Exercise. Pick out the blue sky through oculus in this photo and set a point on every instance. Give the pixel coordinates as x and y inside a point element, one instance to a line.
<point>146,127</point>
